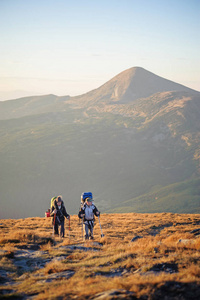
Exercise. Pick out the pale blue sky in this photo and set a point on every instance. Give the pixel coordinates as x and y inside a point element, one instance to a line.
<point>71,47</point>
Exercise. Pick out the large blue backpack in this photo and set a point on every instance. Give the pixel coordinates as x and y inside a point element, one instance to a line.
<point>85,195</point>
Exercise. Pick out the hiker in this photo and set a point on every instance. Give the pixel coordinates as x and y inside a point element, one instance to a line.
<point>87,211</point>
<point>58,212</point>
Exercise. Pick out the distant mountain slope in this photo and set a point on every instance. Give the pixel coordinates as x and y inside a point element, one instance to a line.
<point>181,197</point>
<point>130,85</point>
<point>30,105</point>
<point>118,141</point>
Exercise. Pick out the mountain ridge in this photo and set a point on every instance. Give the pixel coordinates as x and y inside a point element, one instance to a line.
<point>124,88</point>
<point>130,85</point>
<point>117,146</point>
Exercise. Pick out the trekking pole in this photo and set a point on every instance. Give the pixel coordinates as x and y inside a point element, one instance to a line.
<point>79,218</point>
<point>82,228</point>
<point>54,221</point>
<point>69,228</point>
<point>102,235</point>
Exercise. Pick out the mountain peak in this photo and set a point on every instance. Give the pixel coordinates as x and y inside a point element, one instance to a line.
<point>130,85</point>
<point>137,82</point>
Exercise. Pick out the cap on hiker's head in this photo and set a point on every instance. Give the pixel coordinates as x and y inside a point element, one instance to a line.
<point>59,199</point>
<point>89,199</point>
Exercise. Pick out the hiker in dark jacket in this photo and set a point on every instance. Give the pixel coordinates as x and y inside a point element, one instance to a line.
<point>59,213</point>
<point>87,211</point>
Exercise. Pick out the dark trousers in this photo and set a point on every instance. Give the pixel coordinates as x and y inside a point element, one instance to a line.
<point>62,228</point>
<point>89,225</point>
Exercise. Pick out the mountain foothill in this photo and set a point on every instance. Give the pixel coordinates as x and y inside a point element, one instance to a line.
<point>134,142</point>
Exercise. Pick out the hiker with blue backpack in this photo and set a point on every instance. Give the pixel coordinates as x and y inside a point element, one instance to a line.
<point>59,213</point>
<point>87,212</point>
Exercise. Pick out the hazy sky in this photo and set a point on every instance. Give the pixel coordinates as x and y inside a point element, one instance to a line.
<point>69,47</point>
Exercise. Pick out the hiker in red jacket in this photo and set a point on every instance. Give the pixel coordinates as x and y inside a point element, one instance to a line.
<point>59,213</point>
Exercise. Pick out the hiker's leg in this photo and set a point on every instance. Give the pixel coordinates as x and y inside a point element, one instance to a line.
<point>91,232</point>
<point>56,228</point>
<point>86,232</point>
<point>62,228</point>
<point>91,226</point>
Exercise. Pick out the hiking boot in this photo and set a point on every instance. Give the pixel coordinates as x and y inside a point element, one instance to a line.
<point>86,237</point>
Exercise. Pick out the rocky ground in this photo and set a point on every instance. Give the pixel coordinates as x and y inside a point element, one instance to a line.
<point>141,256</point>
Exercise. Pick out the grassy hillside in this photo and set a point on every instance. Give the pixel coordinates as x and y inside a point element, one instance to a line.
<point>28,106</point>
<point>182,197</point>
<point>141,256</point>
<point>68,153</point>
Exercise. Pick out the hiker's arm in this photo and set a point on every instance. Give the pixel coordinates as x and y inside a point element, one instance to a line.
<point>65,213</point>
<point>96,212</point>
<point>81,213</point>
<point>53,211</point>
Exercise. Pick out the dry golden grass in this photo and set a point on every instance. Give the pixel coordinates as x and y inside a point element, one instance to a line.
<point>165,259</point>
